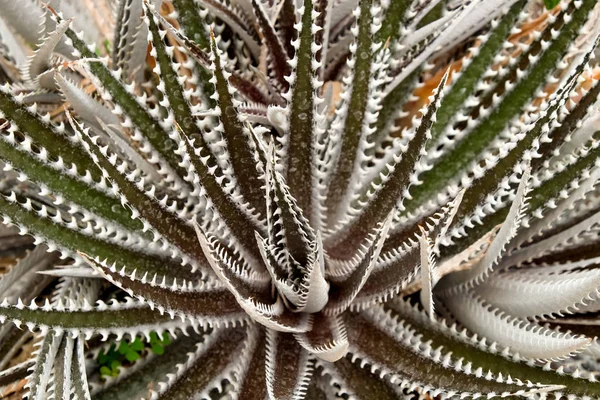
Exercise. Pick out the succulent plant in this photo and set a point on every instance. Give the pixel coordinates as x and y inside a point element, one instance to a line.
<point>365,199</point>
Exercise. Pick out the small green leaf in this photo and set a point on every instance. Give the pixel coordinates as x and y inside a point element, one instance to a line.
<point>135,384</point>
<point>107,46</point>
<point>137,345</point>
<point>550,4</point>
<point>114,366</point>
<point>123,348</point>
<point>102,358</point>
<point>166,338</point>
<point>132,356</point>
<point>105,371</point>
<point>158,350</point>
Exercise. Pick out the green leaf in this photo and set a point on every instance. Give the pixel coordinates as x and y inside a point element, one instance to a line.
<point>158,350</point>
<point>166,338</point>
<point>123,348</point>
<point>105,371</point>
<point>114,367</point>
<point>102,358</point>
<point>136,384</point>
<point>132,356</point>
<point>107,46</point>
<point>550,4</point>
<point>137,344</point>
